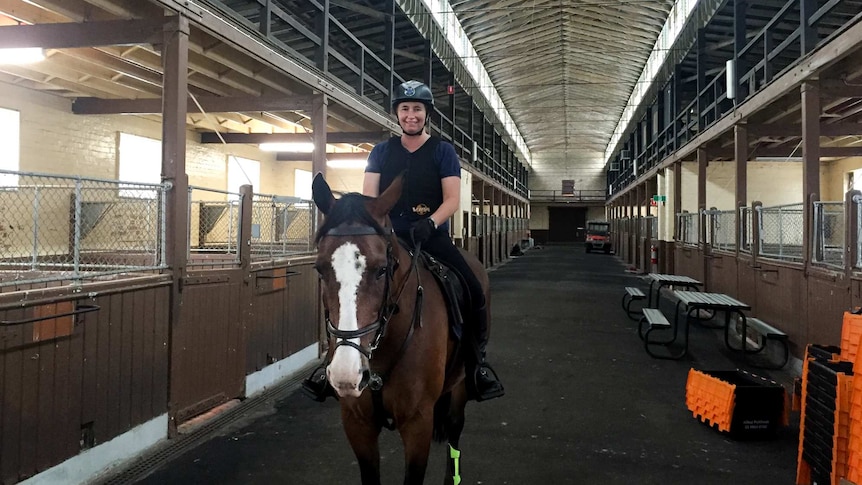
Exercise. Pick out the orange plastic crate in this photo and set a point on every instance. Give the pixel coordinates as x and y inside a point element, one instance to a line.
<point>736,402</point>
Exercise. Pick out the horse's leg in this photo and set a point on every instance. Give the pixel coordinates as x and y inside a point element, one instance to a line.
<point>416,435</point>
<point>363,437</point>
<point>454,427</point>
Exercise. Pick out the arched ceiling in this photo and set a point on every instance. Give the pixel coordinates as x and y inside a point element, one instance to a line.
<point>565,70</point>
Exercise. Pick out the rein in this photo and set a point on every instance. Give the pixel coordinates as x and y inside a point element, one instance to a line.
<point>388,306</point>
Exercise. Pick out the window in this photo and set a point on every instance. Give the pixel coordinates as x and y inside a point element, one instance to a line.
<point>302,184</point>
<point>141,162</point>
<point>242,171</point>
<point>10,141</point>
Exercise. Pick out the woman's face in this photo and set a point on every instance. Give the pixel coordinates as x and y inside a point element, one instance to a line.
<point>411,117</point>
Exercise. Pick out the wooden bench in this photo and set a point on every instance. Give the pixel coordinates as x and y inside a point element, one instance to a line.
<point>654,319</point>
<point>768,332</point>
<point>631,295</point>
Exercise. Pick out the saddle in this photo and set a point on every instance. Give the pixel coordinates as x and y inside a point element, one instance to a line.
<point>452,285</point>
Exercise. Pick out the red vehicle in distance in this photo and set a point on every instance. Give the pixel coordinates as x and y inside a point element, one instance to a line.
<point>598,236</point>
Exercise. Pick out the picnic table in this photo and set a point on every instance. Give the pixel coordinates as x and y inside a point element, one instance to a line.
<point>694,301</point>
<point>660,280</point>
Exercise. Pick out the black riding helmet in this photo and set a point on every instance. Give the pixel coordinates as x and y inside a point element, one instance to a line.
<point>413,91</point>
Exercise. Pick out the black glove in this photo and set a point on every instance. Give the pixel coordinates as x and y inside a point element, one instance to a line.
<point>422,230</point>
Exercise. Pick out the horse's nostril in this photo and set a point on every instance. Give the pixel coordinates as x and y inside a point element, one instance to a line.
<point>366,376</point>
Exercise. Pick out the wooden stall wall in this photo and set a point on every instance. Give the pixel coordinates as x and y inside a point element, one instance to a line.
<point>688,261</point>
<point>722,273</point>
<point>285,313</point>
<point>782,301</point>
<point>746,280</point>
<point>473,245</point>
<point>828,298</point>
<point>69,383</point>
<point>208,347</point>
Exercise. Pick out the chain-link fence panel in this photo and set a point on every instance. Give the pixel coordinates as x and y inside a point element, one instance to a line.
<point>781,232</point>
<point>687,228</point>
<point>722,229</point>
<point>75,228</point>
<point>281,226</point>
<point>214,225</point>
<point>828,234</point>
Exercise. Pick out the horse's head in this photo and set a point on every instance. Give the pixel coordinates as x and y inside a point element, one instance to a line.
<point>356,264</point>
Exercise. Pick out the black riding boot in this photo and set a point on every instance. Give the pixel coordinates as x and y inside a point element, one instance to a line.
<point>482,381</point>
<point>316,386</point>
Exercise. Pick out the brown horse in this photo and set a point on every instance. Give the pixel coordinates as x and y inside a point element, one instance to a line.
<point>393,362</point>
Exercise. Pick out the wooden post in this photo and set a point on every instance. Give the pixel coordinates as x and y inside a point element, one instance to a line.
<point>810,162</point>
<point>740,147</point>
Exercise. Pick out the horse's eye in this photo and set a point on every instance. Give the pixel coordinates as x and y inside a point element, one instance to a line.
<point>381,272</point>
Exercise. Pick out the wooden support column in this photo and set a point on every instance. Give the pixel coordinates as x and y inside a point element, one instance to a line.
<point>175,57</point>
<point>810,161</point>
<point>740,150</point>
<point>702,162</point>
<point>175,54</point>
<point>318,124</point>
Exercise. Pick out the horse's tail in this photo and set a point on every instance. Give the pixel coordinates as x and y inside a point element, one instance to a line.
<point>441,418</point>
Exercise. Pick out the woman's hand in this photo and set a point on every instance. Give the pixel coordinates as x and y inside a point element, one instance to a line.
<point>422,230</point>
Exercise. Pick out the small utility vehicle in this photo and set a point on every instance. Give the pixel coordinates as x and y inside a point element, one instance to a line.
<point>598,236</point>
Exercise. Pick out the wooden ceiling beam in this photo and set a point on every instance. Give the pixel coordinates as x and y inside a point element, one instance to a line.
<point>89,34</point>
<point>352,137</point>
<point>306,157</point>
<point>795,129</point>
<point>791,151</point>
<point>210,104</point>
<point>836,88</point>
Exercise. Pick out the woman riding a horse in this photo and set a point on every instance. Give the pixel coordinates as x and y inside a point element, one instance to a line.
<point>393,361</point>
<point>431,195</point>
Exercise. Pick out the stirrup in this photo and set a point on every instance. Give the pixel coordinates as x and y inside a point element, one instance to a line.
<point>316,386</point>
<point>491,388</point>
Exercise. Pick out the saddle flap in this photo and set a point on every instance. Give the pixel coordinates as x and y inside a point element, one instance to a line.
<point>452,286</point>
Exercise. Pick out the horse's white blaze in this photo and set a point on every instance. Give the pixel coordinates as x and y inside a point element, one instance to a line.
<point>344,371</point>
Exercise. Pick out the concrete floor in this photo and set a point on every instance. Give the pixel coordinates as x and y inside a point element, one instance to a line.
<point>584,403</point>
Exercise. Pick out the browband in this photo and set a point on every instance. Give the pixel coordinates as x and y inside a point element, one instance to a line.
<point>363,230</point>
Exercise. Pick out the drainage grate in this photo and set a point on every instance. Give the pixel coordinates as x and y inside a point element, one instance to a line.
<point>173,448</point>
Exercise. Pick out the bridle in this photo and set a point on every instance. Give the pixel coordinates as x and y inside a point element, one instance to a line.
<point>388,305</point>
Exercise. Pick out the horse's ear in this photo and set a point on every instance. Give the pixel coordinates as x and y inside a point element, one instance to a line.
<point>321,193</point>
<point>381,206</point>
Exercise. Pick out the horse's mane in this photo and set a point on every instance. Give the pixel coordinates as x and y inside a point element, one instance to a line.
<point>349,208</point>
